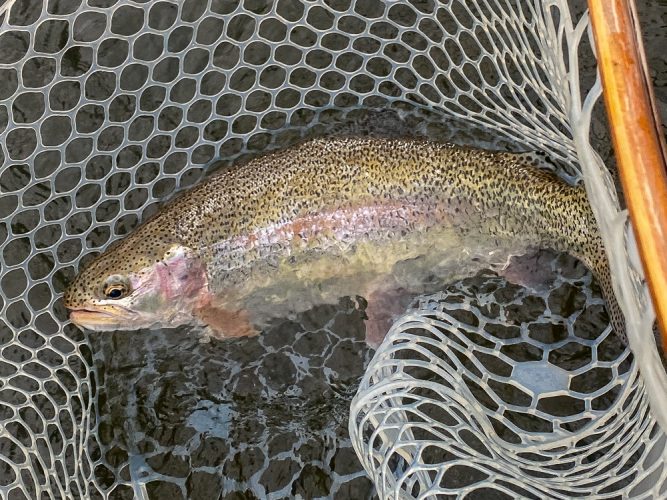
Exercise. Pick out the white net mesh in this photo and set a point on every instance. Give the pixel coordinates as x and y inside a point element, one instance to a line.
<point>528,398</point>
<point>108,106</point>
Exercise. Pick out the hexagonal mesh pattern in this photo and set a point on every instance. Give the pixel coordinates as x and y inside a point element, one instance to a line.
<point>491,390</point>
<point>107,107</point>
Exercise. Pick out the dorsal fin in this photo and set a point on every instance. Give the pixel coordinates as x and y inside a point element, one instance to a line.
<point>541,160</point>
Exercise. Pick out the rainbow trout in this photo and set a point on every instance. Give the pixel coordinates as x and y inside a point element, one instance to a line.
<point>378,218</point>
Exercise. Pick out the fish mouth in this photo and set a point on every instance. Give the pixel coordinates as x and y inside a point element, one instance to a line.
<point>101,320</point>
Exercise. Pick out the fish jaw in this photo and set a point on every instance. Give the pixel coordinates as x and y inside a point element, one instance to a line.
<point>101,318</point>
<point>165,294</point>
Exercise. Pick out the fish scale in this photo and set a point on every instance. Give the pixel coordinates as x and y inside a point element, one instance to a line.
<point>335,216</point>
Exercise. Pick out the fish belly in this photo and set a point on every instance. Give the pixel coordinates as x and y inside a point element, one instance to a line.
<point>293,281</point>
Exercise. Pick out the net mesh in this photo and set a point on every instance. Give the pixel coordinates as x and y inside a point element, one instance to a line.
<point>527,398</point>
<point>107,107</point>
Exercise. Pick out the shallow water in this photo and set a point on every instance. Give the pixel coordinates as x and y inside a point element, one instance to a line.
<point>267,416</point>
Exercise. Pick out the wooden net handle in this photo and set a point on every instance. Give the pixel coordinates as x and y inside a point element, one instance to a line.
<point>638,141</point>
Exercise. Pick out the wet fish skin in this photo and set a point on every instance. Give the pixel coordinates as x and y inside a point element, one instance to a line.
<point>333,217</point>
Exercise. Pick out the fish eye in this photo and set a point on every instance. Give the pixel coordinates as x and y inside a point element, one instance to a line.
<point>116,287</point>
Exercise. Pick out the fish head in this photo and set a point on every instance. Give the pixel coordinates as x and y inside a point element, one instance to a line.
<point>138,285</point>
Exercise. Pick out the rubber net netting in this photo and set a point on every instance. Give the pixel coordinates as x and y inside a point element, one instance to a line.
<point>488,390</point>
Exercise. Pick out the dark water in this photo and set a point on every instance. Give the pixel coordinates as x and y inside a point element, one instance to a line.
<point>263,415</point>
<point>267,416</point>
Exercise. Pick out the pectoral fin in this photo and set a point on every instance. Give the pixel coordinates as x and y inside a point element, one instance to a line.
<point>223,323</point>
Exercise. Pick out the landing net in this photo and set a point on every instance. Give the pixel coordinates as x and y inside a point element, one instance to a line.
<point>107,107</point>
